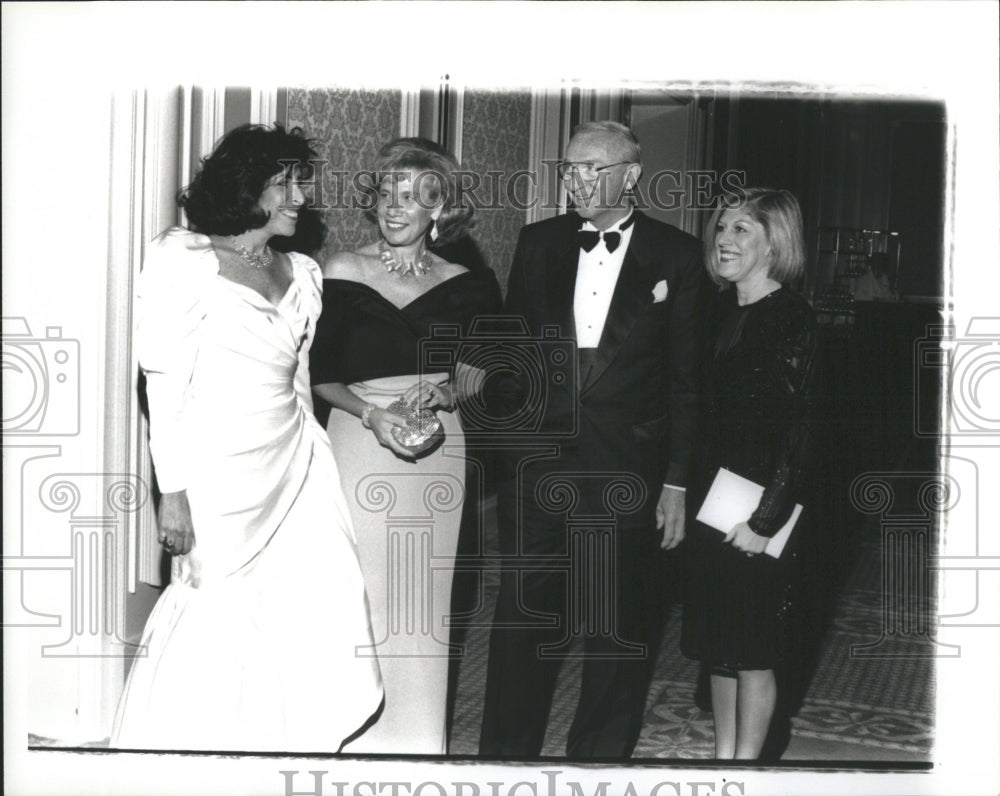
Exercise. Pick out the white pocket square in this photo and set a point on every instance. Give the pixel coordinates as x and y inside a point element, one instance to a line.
<point>660,291</point>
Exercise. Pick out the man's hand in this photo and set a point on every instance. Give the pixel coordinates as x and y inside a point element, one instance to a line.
<point>670,517</point>
<point>176,529</point>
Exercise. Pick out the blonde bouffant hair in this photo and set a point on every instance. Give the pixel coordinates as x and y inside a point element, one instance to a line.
<point>778,212</point>
<point>438,169</point>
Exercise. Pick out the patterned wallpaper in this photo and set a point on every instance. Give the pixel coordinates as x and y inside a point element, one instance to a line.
<point>495,134</point>
<point>349,126</point>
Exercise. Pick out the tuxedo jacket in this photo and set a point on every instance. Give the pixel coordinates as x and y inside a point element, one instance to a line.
<point>634,407</point>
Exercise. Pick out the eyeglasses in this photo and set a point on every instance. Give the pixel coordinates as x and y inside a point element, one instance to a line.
<point>586,171</point>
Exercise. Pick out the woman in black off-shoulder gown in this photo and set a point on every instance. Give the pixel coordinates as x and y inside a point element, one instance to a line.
<point>757,381</point>
<point>382,304</point>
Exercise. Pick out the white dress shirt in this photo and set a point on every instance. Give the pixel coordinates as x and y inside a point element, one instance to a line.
<point>596,277</point>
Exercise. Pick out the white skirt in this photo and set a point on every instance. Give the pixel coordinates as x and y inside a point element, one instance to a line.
<point>268,658</point>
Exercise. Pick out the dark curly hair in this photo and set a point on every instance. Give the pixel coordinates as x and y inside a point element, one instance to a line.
<point>426,157</point>
<point>222,198</point>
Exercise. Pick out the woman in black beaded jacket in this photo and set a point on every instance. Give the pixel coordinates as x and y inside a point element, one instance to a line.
<point>757,378</point>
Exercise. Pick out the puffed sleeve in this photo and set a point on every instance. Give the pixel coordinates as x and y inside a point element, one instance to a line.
<point>170,306</point>
<point>793,367</point>
<point>310,281</point>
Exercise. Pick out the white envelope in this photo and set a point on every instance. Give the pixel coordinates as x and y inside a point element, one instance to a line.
<point>732,499</point>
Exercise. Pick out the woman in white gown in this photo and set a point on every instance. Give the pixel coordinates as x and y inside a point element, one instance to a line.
<point>254,644</point>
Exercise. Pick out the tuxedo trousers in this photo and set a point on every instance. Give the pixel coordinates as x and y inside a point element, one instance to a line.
<point>581,576</point>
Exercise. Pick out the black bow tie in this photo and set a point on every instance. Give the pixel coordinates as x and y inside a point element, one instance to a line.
<point>588,238</point>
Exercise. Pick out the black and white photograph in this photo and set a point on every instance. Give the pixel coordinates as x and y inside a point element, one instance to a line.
<point>490,398</point>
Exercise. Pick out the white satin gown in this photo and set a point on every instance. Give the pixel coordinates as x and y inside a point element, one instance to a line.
<point>255,643</point>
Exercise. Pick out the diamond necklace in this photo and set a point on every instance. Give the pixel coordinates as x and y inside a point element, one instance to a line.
<point>418,268</point>
<point>262,260</point>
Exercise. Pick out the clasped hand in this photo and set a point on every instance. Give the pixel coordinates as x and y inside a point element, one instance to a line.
<point>428,395</point>
<point>743,538</point>
<point>422,395</point>
<point>382,422</point>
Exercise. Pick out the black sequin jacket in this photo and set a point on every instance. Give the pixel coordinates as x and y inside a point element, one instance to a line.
<point>757,401</point>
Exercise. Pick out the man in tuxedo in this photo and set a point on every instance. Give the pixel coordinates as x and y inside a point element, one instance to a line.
<point>590,499</point>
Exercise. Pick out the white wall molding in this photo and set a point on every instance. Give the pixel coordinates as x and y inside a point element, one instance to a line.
<point>208,121</point>
<point>151,159</point>
<point>547,142</point>
<point>125,246</point>
<point>437,114</point>
<point>263,106</point>
<point>456,118</point>
<point>606,104</point>
<point>409,113</point>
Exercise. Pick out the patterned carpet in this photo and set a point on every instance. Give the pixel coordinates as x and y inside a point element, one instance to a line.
<point>871,694</point>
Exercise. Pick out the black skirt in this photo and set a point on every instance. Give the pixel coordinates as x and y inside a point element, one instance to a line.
<point>756,412</point>
<point>736,607</point>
